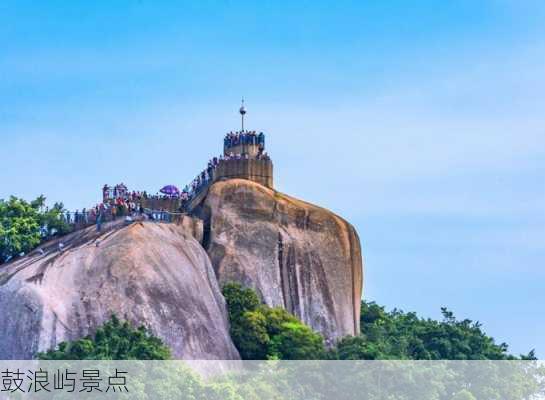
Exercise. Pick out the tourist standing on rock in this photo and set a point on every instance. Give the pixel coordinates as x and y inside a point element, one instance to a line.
<point>99,221</point>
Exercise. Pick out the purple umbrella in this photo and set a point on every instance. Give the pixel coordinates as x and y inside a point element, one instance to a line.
<point>170,190</point>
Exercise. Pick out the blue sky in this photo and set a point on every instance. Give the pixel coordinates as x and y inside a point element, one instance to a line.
<point>420,122</point>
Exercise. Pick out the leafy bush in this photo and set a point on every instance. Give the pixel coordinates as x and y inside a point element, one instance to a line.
<point>400,335</point>
<point>24,225</point>
<point>115,340</point>
<point>296,341</point>
<point>261,332</point>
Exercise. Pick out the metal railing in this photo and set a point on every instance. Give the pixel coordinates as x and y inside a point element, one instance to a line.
<point>163,215</point>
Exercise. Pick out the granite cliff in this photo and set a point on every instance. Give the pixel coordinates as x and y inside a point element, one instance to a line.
<point>296,255</point>
<point>167,276</point>
<point>152,274</point>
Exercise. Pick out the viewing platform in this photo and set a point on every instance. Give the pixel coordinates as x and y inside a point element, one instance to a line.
<point>244,157</point>
<point>257,170</point>
<point>244,142</point>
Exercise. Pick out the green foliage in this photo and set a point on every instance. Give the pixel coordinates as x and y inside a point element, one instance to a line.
<point>249,332</point>
<point>19,227</point>
<point>115,340</point>
<point>361,348</point>
<point>239,299</point>
<point>261,332</point>
<point>24,225</point>
<point>296,341</point>
<point>52,221</point>
<point>400,335</point>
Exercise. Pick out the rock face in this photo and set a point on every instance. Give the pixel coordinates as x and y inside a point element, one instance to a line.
<point>150,274</point>
<point>296,255</point>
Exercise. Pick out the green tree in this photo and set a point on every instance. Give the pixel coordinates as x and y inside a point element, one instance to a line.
<point>361,348</point>
<point>24,225</point>
<point>249,333</point>
<point>261,332</point>
<point>296,341</point>
<point>115,340</point>
<point>52,221</point>
<point>239,299</point>
<point>400,335</point>
<point>19,228</point>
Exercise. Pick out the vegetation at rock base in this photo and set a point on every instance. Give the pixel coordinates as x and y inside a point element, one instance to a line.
<point>404,336</point>
<point>115,340</point>
<point>261,332</point>
<point>24,225</point>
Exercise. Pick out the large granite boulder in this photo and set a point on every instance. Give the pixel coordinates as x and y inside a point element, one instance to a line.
<point>296,255</point>
<point>150,274</point>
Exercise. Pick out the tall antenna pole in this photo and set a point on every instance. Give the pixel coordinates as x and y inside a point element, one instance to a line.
<point>242,112</point>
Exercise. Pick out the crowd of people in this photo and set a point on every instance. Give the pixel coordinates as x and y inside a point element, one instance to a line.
<point>244,137</point>
<point>207,175</point>
<point>120,191</point>
<point>201,180</point>
<point>262,155</point>
<point>105,211</point>
<point>119,201</point>
<point>128,207</point>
